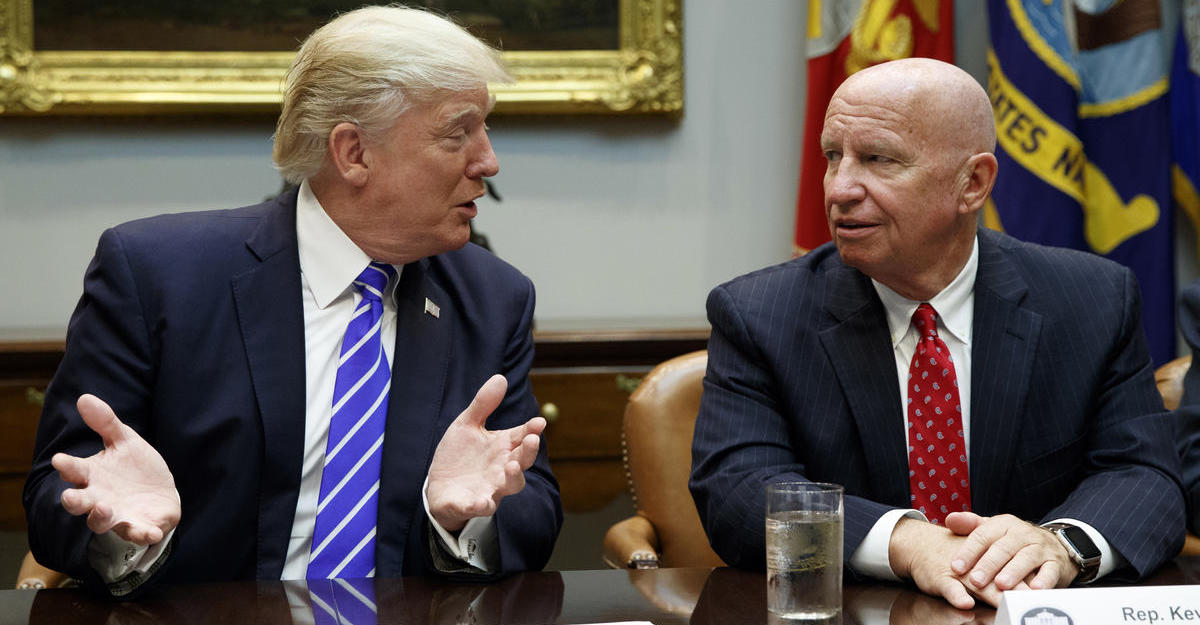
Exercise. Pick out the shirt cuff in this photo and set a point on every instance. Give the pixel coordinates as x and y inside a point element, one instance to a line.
<point>871,557</point>
<point>476,543</point>
<point>115,558</point>
<point>1110,560</point>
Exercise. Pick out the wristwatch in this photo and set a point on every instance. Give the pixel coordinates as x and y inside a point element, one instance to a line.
<point>1080,547</point>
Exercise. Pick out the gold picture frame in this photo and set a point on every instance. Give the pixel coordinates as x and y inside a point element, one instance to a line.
<point>644,75</point>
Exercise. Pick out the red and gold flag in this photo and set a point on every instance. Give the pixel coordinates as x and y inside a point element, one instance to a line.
<point>845,36</point>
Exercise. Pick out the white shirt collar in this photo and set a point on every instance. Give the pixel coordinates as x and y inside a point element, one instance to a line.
<point>953,304</point>
<point>329,260</point>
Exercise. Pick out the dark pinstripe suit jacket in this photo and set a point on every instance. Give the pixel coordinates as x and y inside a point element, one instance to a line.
<point>1065,417</point>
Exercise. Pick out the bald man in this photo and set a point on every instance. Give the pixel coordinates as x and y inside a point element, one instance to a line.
<point>989,405</point>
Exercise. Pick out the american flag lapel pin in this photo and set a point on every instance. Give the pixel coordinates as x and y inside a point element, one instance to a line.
<point>432,309</point>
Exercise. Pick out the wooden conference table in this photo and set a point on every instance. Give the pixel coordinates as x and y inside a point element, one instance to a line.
<point>667,596</point>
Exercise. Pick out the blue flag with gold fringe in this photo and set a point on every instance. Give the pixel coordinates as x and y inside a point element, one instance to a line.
<point>1079,93</point>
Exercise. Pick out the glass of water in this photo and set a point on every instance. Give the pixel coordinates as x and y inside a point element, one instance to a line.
<point>804,551</point>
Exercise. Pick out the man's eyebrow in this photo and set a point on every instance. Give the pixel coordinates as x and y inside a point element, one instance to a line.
<point>875,146</point>
<point>460,117</point>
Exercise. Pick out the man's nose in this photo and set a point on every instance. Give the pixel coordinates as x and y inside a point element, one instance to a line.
<point>485,164</point>
<point>843,184</point>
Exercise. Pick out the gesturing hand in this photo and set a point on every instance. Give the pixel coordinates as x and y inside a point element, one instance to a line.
<point>474,468</point>
<point>126,487</point>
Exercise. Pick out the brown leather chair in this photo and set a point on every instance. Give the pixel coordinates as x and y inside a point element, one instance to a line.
<point>657,440</point>
<point>34,575</point>
<point>1169,378</point>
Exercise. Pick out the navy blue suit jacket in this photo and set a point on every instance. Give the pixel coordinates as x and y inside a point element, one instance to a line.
<point>1188,414</point>
<point>1065,417</point>
<point>191,327</point>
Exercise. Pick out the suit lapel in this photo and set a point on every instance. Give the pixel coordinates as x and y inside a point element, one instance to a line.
<point>1005,338</point>
<point>860,348</point>
<point>424,342</point>
<point>271,318</point>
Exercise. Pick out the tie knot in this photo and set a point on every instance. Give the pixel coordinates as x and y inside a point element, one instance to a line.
<point>925,318</point>
<point>373,280</point>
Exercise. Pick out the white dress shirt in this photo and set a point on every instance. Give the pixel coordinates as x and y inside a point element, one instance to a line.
<point>329,264</point>
<point>955,306</point>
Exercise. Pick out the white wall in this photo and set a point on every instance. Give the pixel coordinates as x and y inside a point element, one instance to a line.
<point>612,217</point>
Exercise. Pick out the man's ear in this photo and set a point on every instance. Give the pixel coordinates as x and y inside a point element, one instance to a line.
<point>980,171</point>
<point>348,153</point>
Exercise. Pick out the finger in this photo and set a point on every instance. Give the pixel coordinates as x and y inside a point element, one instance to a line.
<point>77,501</point>
<point>452,510</point>
<point>990,595</point>
<point>997,556</point>
<point>518,434</point>
<point>955,593</point>
<point>514,475</point>
<point>1047,576</point>
<point>139,533</point>
<point>527,452</point>
<point>536,425</point>
<point>149,535</point>
<point>978,542</point>
<point>100,519</point>
<point>514,481</point>
<point>963,523</point>
<point>486,400</point>
<point>100,417</point>
<point>71,469</point>
<point>1023,563</point>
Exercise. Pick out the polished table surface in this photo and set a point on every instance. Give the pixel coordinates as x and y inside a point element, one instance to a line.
<point>666,596</point>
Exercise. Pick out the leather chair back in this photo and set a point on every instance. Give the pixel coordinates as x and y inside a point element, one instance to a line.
<point>1169,378</point>
<point>659,420</point>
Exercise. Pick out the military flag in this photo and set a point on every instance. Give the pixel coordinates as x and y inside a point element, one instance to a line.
<point>1185,115</point>
<point>1079,93</point>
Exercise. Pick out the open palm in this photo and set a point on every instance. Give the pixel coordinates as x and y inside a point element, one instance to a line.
<point>474,468</point>
<point>126,488</point>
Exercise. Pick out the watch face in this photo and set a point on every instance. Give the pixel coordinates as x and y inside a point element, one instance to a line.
<point>1082,543</point>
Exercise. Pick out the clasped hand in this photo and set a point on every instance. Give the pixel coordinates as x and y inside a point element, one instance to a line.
<point>979,557</point>
<point>125,488</point>
<point>474,468</point>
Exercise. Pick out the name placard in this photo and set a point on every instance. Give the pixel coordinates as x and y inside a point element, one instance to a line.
<point>1128,605</point>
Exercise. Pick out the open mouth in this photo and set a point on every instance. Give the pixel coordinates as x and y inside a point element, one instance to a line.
<point>469,208</point>
<point>853,226</point>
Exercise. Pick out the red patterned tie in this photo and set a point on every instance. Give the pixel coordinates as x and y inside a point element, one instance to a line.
<point>937,455</point>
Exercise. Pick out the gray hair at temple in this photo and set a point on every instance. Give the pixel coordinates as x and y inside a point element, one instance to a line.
<point>367,67</point>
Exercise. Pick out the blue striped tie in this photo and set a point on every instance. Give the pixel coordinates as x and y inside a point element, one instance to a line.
<point>343,542</point>
<point>343,602</point>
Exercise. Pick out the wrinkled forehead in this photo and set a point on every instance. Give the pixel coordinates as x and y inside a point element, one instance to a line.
<point>879,118</point>
<point>929,99</point>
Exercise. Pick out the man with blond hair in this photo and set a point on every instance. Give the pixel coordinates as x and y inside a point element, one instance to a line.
<point>989,405</point>
<point>330,384</point>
